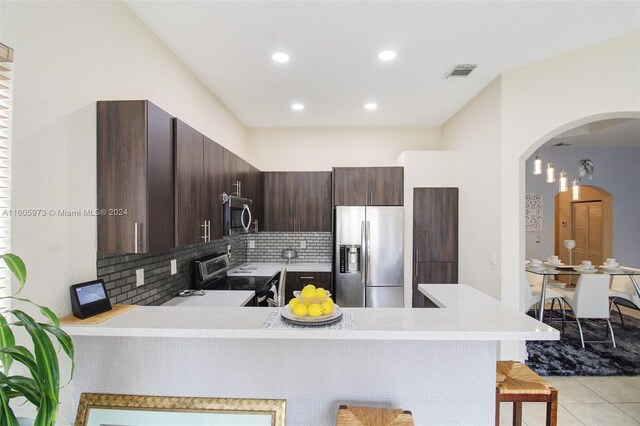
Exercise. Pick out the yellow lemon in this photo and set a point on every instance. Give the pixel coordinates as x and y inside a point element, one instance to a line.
<point>320,292</point>
<point>328,300</point>
<point>293,302</point>
<point>327,307</point>
<point>300,309</point>
<point>311,286</point>
<point>308,292</point>
<point>315,310</point>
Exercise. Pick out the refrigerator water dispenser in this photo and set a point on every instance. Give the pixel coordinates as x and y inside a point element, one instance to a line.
<point>349,259</point>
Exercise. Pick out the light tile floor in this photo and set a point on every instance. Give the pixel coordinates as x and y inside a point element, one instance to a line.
<point>589,401</point>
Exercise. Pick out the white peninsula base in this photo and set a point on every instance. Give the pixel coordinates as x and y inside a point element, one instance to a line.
<point>404,358</point>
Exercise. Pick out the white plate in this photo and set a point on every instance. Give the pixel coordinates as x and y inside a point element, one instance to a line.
<point>555,265</point>
<point>585,271</point>
<point>537,268</point>
<point>288,315</point>
<point>610,268</point>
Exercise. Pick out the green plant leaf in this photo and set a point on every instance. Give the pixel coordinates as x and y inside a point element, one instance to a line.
<point>25,386</point>
<point>47,412</point>
<point>6,413</point>
<point>45,354</point>
<point>24,357</point>
<point>17,268</point>
<point>65,343</point>
<point>7,339</point>
<point>43,310</point>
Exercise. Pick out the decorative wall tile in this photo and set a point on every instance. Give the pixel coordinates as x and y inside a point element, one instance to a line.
<point>268,246</point>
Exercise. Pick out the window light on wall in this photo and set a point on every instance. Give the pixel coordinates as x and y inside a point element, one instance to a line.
<point>6,90</point>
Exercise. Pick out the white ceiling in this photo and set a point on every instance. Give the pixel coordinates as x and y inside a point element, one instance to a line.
<point>333,46</point>
<point>605,133</point>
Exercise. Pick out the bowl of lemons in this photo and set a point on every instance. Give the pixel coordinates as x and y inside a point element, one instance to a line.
<point>311,306</point>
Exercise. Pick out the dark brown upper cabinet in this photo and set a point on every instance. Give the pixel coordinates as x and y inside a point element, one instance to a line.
<point>192,210</point>
<point>135,161</point>
<point>297,201</point>
<point>215,181</point>
<point>368,186</point>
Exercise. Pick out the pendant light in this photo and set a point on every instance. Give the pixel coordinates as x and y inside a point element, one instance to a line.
<point>551,173</point>
<point>564,186</point>
<point>537,165</point>
<point>575,190</point>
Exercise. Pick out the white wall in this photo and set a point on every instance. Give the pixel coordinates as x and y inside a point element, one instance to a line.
<point>300,149</point>
<point>422,169</point>
<point>547,98</point>
<point>474,132</point>
<point>617,172</point>
<point>68,55</point>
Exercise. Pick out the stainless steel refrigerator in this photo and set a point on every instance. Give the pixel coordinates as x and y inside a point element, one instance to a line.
<point>369,256</point>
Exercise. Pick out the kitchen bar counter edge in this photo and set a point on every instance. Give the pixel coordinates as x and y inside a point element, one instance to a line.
<point>467,315</point>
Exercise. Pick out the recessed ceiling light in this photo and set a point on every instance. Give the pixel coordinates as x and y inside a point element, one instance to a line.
<point>280,57</point>
<point>386,55</point>
<point>297,107</point>
<point>370,106</point>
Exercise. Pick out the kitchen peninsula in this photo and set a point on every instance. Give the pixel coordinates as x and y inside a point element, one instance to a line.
<point>439,363</point>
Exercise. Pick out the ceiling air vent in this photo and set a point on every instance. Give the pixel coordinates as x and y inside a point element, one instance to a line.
<point>457,71</point>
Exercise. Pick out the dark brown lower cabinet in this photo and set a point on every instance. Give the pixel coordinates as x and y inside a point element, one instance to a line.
<point>297,281</point>
<point>432,273</point>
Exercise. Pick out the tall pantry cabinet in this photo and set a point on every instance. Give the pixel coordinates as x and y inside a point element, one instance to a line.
<point>435,239</point>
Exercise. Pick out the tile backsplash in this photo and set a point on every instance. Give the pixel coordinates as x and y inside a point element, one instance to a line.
<point>268,246</point>
<point>119,271</point>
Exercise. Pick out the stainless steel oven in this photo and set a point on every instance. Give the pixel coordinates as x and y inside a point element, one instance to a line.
<point>236,215</point>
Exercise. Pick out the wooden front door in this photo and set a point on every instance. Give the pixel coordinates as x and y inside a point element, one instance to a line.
<point>588,232</point>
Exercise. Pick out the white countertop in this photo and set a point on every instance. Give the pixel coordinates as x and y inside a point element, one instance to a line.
<point>468,315</point>
<point>267,269</point>
<point>213,298</point>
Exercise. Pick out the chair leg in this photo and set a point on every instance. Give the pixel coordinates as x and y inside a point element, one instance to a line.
<point>553,303</point>
<point>581,335</point>
<point>563,307</point>
<point>619,313</point>
<point>613,338</point>
<point>552,408</point>
<point>497,411</point>
<point>517,413</point>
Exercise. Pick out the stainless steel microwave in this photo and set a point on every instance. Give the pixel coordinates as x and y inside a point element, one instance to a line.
<point>236,215</point>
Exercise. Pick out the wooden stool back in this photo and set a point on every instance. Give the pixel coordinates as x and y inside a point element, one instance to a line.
<point>369,416</point>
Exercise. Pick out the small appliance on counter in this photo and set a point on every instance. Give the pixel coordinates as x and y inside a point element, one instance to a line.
<point>89,299</point>
<point>288,254</point>
<point>210,273</point>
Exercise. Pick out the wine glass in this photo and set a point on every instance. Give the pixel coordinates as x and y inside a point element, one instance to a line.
<point>569,245</point>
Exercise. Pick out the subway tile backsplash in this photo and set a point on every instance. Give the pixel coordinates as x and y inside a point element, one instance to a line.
<point>119,271</point>
<point>268,246</point>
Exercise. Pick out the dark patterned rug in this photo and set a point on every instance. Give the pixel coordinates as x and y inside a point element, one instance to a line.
<point>567,358</point>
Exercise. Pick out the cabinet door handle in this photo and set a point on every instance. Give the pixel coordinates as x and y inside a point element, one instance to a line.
<point>204,236</point>
<point>306,278</point>
<point>135,237</point>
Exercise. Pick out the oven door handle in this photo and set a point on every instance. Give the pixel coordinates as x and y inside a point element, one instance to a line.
<point>245,208</point>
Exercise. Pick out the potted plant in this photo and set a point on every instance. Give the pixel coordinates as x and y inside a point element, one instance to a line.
<point>42,385</point>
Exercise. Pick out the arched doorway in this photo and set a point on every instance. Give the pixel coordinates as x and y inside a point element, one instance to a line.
<point>588,221</point>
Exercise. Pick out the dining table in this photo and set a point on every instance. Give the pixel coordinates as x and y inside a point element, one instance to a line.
<point>548,270</point>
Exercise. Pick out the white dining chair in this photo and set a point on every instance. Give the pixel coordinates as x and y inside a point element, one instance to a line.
<point>590,299</point>
<point>623,292</point>
<point>532,290</point>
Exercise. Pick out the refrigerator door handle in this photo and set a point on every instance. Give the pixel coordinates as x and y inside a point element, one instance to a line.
<point>368,241</point>
<point>363,258</point>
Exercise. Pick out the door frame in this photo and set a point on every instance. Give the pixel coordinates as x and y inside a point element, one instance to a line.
<point>564,218</point>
